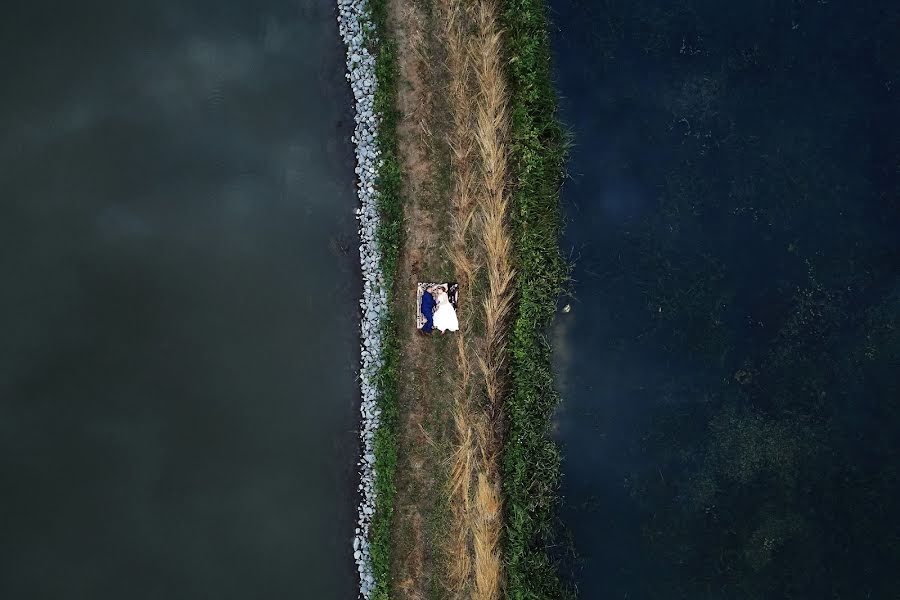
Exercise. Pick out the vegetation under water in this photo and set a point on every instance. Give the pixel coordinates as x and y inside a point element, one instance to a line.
<point>763,274</point>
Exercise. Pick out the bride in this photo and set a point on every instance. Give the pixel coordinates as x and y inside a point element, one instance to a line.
<point>445,314</point>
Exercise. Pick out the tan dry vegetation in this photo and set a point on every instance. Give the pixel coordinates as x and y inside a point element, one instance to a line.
<point>464,458</point>
<point>478,102</point>
<point>491,132</point>
<point>417,568</point>
<point>451,61</point>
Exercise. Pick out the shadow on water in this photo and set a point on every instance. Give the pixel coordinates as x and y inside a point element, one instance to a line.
<point>729,368</point>
<point>177,368</point>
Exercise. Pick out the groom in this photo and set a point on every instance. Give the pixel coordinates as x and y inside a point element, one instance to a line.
<point>428,310</point>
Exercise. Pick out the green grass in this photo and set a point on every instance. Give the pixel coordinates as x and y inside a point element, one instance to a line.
<point>390,238</point>
<point>531,458</point>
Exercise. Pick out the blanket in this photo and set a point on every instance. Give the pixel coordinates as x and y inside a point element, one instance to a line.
<point>452,294</point>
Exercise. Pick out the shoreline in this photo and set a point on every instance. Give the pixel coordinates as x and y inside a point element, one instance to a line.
<point>531,457</point>
<point>353,23</point>
<point>371,73</point>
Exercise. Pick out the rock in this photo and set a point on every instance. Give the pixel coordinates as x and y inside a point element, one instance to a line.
<point>352,20</point>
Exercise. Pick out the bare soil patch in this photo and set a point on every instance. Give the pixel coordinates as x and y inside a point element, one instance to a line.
<point>426,367</point>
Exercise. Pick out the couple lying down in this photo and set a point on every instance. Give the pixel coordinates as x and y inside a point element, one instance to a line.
<point>437,310</point>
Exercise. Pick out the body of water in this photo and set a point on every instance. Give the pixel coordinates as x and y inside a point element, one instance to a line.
<point>179,340</point>
<point>729,367</point>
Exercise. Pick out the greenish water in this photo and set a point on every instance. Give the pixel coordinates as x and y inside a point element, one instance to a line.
<point>178,313</point>
<point>730,366</point>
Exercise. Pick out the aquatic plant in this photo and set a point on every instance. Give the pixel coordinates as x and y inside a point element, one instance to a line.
<point>786,468</point>
<point>761,271</point>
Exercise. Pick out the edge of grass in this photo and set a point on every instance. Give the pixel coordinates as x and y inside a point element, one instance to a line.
<point>531,461</point>
<point>390,238</point>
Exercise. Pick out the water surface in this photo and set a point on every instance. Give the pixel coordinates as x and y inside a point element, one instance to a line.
<point>177,364</point>
<point>730,364</point>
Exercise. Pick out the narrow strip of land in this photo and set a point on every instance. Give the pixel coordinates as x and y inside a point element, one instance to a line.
<point>453,133</point>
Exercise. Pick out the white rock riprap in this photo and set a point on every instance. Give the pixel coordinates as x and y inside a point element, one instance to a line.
<point>356,30</point>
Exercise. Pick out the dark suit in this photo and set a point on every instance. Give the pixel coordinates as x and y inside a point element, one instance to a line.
<point>428,312</point>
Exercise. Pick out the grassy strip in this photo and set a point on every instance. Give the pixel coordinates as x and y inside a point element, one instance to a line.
<point>531,458</point>
<point>390,234</point>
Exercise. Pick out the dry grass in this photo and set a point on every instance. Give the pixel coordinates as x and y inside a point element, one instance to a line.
<point>464,461</point>
<point>481,242</point>
<point>477,240</point>
<point>418,563</point>
<point>465,457</point>
<point>491,133</point>
<point>488,568</point>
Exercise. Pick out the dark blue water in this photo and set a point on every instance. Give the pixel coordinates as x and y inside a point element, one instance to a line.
<point>730,364</point>
<point>177,307</point>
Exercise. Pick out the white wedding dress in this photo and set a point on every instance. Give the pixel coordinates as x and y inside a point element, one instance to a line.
<point>445,315</point>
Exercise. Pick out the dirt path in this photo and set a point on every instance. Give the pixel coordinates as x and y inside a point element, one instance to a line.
<point>425,365</point>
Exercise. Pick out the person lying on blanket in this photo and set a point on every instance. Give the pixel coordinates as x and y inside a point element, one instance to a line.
<point>445,315</point>
<point>428,304</point>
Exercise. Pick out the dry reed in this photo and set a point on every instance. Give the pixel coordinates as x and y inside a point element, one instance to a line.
<point>480,240</point>
<point>491,131</point>
<point>491,121</point>
<point>486,541</point>
<point>464,458</point>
